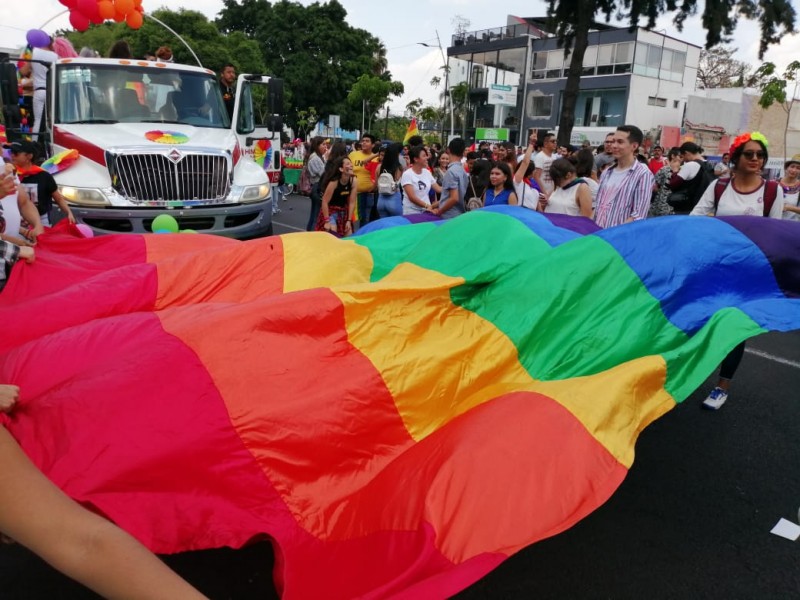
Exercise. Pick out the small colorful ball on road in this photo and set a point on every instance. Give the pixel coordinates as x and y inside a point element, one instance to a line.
<point>165,223</point>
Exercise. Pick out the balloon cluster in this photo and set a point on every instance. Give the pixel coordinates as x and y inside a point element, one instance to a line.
<point>84,12</point>
<point>168,224</point>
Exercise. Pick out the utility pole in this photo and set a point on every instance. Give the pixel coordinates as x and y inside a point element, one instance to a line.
<point>446,68</point>
<point>386,124</point>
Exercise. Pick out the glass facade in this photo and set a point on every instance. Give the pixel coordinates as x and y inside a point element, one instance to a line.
<point>605,59</point>
<point>657,61</point>
<point>600,108</point>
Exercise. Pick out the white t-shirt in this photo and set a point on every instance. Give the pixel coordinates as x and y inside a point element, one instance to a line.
<point>689,170</point>
<point>422,186</point>
<point>543,162</point>
<point>39,70</point>
<point>593,187</point>
<point>11,214</point>
<point>526,195</point>
<point>733,203</point>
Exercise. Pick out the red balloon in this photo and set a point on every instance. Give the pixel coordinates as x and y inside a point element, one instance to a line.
<point>88,8</point>
<point>79,21</point>
<point>70,4</point>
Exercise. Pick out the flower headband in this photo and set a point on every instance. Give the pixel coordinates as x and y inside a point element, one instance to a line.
<point>746,137</point>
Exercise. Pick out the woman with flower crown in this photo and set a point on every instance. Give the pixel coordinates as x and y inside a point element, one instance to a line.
<point>745,193</point>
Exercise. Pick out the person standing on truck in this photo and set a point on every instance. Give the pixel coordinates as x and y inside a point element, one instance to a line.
<point>227,82</point>
<point>41,59</point>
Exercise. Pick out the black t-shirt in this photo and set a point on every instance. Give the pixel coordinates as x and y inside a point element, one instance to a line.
<point>228,97</point>
<point>341,194</point>
<point>40,187</point>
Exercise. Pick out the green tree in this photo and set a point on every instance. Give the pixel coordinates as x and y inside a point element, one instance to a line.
<point>306,119</point>
<point>459,96</point>
<point>212,48</point>
<point>572,19</point>
<point>313,49</point>
<point>371,93</point>
<point>782,91</point>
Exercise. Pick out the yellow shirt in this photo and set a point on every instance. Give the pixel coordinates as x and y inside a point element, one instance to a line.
<point>363,179</point>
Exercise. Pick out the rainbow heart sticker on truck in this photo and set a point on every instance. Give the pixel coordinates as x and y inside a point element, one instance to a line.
<point>166,137</point>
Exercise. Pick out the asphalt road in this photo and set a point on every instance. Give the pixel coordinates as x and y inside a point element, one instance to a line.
<point>692,519</point>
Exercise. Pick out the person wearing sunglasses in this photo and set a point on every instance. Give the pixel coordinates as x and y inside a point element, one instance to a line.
<point>745,193</point>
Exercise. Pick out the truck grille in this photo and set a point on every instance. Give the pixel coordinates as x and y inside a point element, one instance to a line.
<point>155,179</point>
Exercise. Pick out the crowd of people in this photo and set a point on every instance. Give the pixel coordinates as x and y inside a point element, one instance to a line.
<point>614,184</point>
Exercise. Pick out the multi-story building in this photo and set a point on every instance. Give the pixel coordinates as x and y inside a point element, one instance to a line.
<point>514,78</point>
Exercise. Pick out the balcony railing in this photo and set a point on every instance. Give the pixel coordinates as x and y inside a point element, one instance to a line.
<point>498,33</point>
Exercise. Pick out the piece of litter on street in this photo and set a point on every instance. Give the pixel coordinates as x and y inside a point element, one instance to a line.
<point>786,529</point>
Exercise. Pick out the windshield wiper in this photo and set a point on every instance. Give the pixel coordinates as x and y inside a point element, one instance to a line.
<point>158,121</point>
<point>84,121</point>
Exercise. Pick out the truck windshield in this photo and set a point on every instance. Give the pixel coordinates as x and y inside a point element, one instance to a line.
<point>116,93</point>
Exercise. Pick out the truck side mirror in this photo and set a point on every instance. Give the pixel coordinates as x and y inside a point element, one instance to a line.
<point>275,87</point>
<point>10,98</point>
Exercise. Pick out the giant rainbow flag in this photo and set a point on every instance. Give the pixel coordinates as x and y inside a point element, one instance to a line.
<point>398,412</point>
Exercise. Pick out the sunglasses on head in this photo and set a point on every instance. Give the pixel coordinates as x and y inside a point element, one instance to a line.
<point>751,154</point>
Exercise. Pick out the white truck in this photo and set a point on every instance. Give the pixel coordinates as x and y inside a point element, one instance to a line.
<point>156,138</point>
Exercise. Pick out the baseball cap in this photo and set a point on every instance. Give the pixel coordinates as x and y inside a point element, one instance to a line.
<point>22,146</point>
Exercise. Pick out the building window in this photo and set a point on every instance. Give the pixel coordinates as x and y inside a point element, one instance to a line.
<point>539,65</point>
<point>657,61</point>
<point>539,106</point>
<point>655,101</point>
<point>589,61</point>
<point>676,104</point>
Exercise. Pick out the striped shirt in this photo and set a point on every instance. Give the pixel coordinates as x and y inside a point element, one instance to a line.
<point>624,194</point>
<point>9,253</point>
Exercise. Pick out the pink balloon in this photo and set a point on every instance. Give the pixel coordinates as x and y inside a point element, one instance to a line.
<point>85,230</point>
<point>79,21</point>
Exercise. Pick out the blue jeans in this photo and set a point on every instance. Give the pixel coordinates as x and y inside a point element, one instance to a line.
<point>390,205</point>
<point>316,204</point>
<point>366,200</point>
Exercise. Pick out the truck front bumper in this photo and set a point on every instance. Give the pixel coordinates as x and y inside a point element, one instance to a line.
<point>239,221</point>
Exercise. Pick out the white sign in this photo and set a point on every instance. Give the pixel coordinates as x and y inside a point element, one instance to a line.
<point>334,122</point>
<point>503,95</point>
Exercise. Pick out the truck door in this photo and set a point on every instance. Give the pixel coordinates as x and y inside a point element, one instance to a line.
<point>257,121</point>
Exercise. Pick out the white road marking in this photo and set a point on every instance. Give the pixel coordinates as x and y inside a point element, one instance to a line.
<point>772,357</point>
<point>292,227</point>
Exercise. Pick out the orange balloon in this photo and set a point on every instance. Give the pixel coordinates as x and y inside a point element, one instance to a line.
<point>119,17</point>
<point>106,9</point>
<point>134,19</point>
<point>123,7</point>
<point>137,4</point>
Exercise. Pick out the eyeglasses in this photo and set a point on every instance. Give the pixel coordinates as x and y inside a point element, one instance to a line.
<point>751,154</point>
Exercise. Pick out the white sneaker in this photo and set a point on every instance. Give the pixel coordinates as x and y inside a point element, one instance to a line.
<point>715,399</point>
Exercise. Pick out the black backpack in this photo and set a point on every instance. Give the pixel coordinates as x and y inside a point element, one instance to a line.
<point>685,199</point>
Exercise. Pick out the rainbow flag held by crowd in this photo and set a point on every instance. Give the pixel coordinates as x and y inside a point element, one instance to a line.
<point>399,412</point>
<point>411,131</point>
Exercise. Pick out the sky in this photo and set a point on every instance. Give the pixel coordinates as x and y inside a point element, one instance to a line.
<point>402,29</point>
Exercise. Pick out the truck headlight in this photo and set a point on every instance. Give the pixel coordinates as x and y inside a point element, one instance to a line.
<point>254,193</point>
<point>85,196</point>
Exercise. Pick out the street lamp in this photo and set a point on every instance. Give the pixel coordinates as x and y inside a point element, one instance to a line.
<point>446,78</point>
